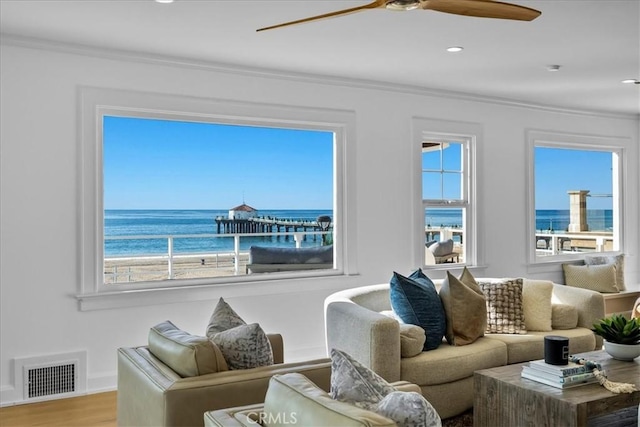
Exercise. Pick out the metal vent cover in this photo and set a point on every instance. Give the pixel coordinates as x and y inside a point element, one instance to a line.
<point>50,380</point>
<point>51,376</point>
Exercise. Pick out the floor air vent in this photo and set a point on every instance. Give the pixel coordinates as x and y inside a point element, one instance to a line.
<point>50,380</point>
<point>52,376</point>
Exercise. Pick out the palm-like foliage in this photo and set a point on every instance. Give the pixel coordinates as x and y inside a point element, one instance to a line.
<point>618,329</point>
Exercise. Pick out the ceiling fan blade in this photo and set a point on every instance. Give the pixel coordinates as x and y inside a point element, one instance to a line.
<point>483,9</point>
<point>374,5</point>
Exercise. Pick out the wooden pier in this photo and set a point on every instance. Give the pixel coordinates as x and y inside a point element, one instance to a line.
<point>264,225</point>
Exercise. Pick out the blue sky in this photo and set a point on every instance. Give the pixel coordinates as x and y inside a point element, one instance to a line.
<point>558,171</point>
<point>160,164</point>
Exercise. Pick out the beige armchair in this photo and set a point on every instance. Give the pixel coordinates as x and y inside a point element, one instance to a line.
<point>151,393</point>
<point>294,400</point>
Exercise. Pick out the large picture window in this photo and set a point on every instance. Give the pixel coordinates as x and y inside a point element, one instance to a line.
<point>178,192</point>
<point>576,206</point>
<point>185,199</point>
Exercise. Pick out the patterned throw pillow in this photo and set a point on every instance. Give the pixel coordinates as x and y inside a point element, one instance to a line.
<point>504,306</point>
<point>617,260</point>
<point>354,383</point>
<point>415,300</point>
<point>243,346</point>
<point>599,278</point>
<point>409,409</point>
<point>223,318</point>
<point>465,308</point>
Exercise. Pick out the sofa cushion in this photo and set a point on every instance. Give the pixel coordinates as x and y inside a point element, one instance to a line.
<point>412,340</point>
<point>271,255</point>
<point>354,383</point>
<point>294,394</point>
<point>412,337</point>
<point>617,260</point>
<point>536,304</point>
<point>245,346</point>
<point>599,278</point>
<point>409,409</point>
<point>187,355</point>
<point>452,363</point>
<point>564,316</point>
<point>504,306</point>
<point>523,348</point>
<point>416,301</point>
<point>465,309</point>
<point>441,248</point>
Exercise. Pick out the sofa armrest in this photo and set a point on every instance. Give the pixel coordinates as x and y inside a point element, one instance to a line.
<point>151,394</point>
<point>590,304</point>
<point>370,337</point>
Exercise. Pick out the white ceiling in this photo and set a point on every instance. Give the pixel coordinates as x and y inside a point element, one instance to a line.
<point>597,43</point>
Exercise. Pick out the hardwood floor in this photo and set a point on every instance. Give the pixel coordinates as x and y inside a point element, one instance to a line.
<point>84,411</point>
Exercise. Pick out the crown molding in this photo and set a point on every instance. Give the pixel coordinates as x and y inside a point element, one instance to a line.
<point>235,69</point>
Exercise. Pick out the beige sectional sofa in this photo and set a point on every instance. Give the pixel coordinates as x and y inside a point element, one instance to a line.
<point>356,325</point>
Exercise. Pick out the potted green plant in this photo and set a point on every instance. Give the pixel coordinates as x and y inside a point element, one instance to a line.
<point>621,336</point>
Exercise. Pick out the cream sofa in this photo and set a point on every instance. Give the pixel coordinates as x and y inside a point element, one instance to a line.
<point>151,393</point>
<point>292,399</point>
<point>354,324</point>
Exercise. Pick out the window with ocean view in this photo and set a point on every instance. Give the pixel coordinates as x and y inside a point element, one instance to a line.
<point>445,199</point>
<point>202,200</point>
<point>182,198</point>
<point>576,199</point>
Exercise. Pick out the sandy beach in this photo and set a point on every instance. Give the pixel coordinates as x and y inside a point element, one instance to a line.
<point>148,269</point>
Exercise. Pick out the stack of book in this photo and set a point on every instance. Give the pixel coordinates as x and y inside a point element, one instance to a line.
<point>559,376</point>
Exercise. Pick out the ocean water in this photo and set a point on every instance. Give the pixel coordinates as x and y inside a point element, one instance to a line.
<point>194,222</point>
<point>188,222</point>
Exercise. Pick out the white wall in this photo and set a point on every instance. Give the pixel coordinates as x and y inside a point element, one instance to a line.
<point>39,199</point>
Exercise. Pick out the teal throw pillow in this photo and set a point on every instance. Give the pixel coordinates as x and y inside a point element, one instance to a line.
<point>416,301</point>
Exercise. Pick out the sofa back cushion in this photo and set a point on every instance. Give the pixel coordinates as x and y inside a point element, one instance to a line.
<point>188,355</point>
<point>293,399</point>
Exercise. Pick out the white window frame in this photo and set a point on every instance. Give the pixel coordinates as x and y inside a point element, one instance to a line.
<point>614,145</point>
<point>470,135</point>
<point>95,103</point>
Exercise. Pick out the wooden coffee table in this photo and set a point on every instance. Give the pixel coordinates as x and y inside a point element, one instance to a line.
<point>503,398</point>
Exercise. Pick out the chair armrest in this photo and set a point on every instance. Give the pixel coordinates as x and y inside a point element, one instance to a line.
<point>590,304</point>
<point>277,347</point>
<point>406,386</point>
<point>370,337</point>
<point>242,416</point>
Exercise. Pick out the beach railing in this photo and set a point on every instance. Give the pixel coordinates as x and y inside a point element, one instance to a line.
<point>548,243</point>
<point>162,266</point>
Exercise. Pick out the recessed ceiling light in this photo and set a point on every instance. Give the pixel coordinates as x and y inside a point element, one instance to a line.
<point>631,81</point>
<point>164,1</point>
<point>455,49</point>
<point>553,67</point>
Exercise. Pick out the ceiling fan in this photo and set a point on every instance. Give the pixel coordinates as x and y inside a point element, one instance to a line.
<point>479,8</point>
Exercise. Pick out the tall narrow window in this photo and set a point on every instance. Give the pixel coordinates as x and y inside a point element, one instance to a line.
<point>445,199</point>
